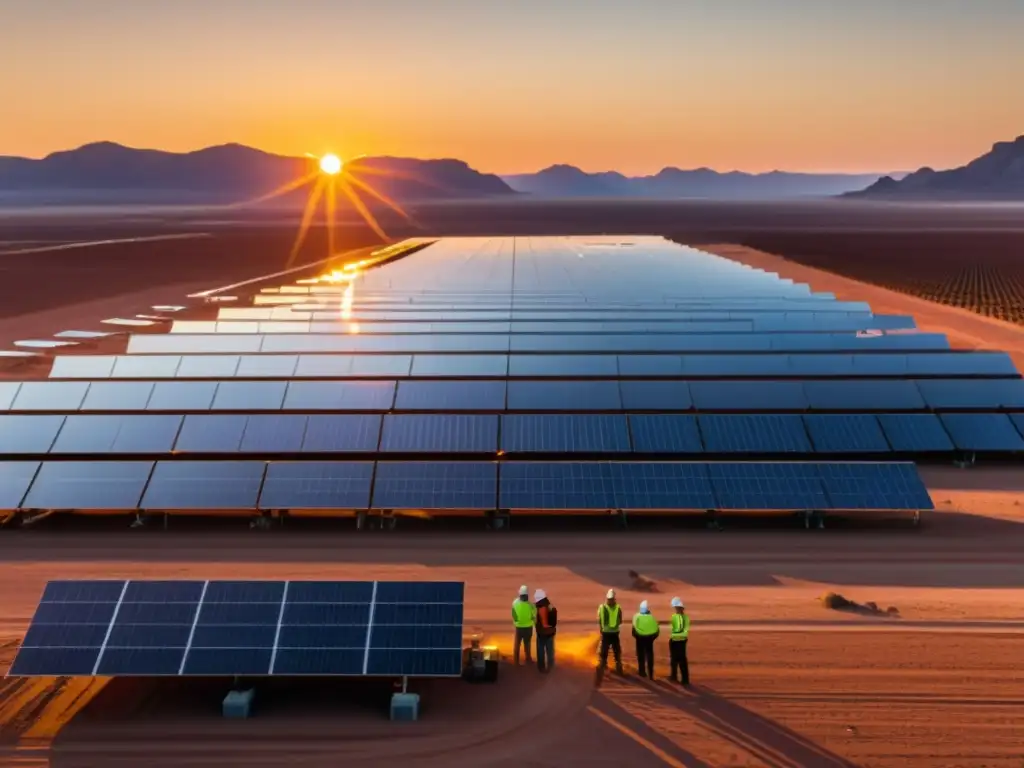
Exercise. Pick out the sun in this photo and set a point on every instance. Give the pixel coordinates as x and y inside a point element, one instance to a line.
<point>330,164</point>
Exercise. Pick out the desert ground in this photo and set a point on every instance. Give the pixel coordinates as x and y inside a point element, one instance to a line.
<point>779,681</point>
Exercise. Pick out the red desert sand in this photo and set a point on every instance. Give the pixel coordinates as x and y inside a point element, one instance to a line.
<point>779,680</point>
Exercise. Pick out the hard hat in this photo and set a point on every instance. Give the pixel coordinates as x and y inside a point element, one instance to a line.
<point>644,608</point>
<point>539,595</point>
<point>677,603</point>
<point>523,591</point>
<point>611,594</point>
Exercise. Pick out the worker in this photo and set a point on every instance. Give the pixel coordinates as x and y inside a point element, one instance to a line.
<point>645,630</point>
<point>609,620</point>
<point>677,643</point>
<point>547,619</point>
<point>524,615</point>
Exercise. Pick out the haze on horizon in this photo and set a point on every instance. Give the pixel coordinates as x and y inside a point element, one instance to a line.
<point>757,85</point>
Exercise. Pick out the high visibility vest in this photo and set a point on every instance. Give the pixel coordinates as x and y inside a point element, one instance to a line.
<point>524,613</point>
<point>610,618</point>
<point>645,624</point>
<point>680,626</point>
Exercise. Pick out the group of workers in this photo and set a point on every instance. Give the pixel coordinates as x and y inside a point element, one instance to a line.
<point>540,616</point>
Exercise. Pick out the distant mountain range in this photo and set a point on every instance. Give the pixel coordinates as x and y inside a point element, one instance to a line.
<point>996,175</point>
<point>112,173</point>
<point>674,183</point>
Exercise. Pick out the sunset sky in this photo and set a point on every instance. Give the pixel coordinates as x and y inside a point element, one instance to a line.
<point>515,85</point>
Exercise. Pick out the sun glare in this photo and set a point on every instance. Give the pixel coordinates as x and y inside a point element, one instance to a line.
<point>330,164</point>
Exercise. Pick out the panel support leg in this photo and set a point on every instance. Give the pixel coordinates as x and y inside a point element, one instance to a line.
<point>713,522</point>
<point>621,517</point>
<point>497,519</point>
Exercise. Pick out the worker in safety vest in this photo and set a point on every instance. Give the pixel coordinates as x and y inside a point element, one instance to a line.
<point>645,630</point>
<point>547,621</point>
<point>524,614</point>
<point>677,642</point>
<point>609,620</point>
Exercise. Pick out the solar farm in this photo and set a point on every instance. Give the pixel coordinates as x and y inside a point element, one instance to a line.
<point>499,377</point>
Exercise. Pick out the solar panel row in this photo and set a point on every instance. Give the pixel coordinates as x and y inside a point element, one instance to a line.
<point>655,433</point>
<point>228,628</point>
<point>468,485</point>
<point>515,395</point>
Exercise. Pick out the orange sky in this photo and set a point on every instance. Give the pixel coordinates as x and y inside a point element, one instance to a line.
<point>511,87</point>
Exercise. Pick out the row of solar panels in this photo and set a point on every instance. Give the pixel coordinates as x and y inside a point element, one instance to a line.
<point>469,485</point>
<point>227,628</point>
<point>668,309</point>
<point>411,343</point>
<point>533,366</point>
<point>772,323</point>
<point>515,395</point>
<point>767,434</point>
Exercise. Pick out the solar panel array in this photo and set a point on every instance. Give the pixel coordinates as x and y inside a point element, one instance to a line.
<point>490,372</point>
<point>245,628</point>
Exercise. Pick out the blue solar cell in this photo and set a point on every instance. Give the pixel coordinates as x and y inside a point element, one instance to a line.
<point>15,478</point>
<point>42,635</point>
<point>339,396</point>
<point>385,613</point>
<point>864,395</point>
<point>651,365</point>
<point>322,661</point>
<point>97,591</point>
<point>182,396</point>
<point>736,365</point>
<point>563,396</point>
<point>117,434</point>
<point>564,433</point>
<point>661,485</point>
<point>458,366</point>
<point>204,485</point>
<point>956,363</point>
<point>330,592</point>
<point>322,636</point>
<point>415,661</point>
<point>28,434</point>
<point>563,365</point>
<point>248,613</point>
<point>748,396</point>
<point>774,486</point>
<point>982,431</point>
<point>655,395</point>
<point>440,433</point>
<point>88,485</point>
<point>228,662</point>
<point>50,396</point>
<point>243,592</point>
<point>74,613</point>
<point>342,433</point>
<point>35,662</point>
<point>124,635</point>
<point>211,433</point>
<point>249,396</point>
<point>317,485</point>
<point>209,635</point>
<point>157,613</point>
<point>342,613</point>
<point>420,592</point>
<point>874,486</point>
<point>914,432</point>
<point>748,433</point>
<point>118,396</point>
<point>980,394</point>
<point>163,592</point>
<point>140,662</point>
<point>450,396</point>
<point>846,433</point>
<point>435,485</point>
<point>568,485</point>
<point>268,433</point>
<point>881,364</point>
<point>665,433</point>
<point>820,365</point>
<point>415,636</point>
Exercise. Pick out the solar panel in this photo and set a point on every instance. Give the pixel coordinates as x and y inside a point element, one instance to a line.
<point>846,433</point>
<point>435,485</point>
<point>1018,421</point>
<point>249,396</point>
<point>643,486</point>
<point>980,394</point>
<point>441,433</point>
<point>339,396</point>
<point>341,433</point>
<point>50,396</point>
<point>915,432</point>
<point>557,486</point>
<point>180,396</point>
<point>650,365</point>
<point>211,433</point>
<point>564,396</point>
<point>115,485</point>
<point>564,433</point>
<point>861,395</point>
<point>15,478</point>
<point>206,367</point>
<point>774,486</point>
<point>204,485</point>
<point>28,434</point>
<point>748,396</point>
<point>459,365</point>
<point>750,433</point>
<point>655,395</point>
<point>563,365</point>
<point>450,396</point>
<point>665,433</point>
<point>272,433</point>
<point>982,431</point>
<point>874,486</point>
<point>317,485</point>
<point>266,366</point>
<point>117,434</point>
<point>118,396</point>
<point>231,628</point>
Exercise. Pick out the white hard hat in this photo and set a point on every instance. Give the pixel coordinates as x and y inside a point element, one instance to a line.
<point>644,608</point>
<point>677,603</point>
<point>611,594</point>
<point>523,590</point>
<point>539,595</point>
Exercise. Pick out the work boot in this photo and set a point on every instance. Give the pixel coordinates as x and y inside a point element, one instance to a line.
<point>618,670</point>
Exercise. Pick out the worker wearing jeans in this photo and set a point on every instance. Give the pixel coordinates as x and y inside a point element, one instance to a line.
<point>524,616</point>
<point>547,617</point>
